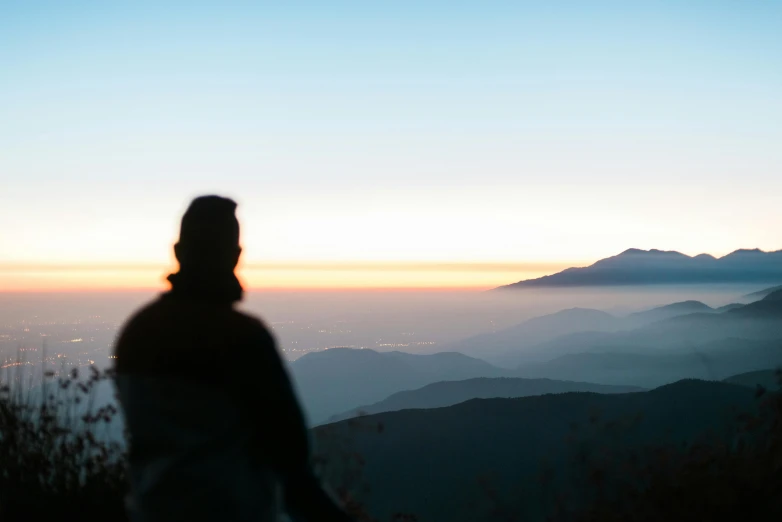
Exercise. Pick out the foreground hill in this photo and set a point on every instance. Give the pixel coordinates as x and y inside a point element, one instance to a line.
<point>448,393</point>
<point>430,462</point>
<point>657,267</point>
<point>336,380</point>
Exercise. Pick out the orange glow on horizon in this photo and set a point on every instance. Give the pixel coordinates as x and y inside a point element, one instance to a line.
<point>279,276</point>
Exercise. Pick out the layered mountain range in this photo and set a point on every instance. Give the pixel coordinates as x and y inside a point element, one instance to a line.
<point>584,346</point>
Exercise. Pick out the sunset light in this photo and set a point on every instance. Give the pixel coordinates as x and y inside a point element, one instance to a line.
<point>293,275</point>
<point>412,260</point>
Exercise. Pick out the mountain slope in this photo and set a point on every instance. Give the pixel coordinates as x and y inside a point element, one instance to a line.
<point>537,330</point>
<point>431,462</point>
<point>754,296</point>
<point>728,307</point>
<point>448,393</point>
<point>758,321</point>
<point>715,360</point>
<point>336,380</point>
<point>768,379</point>
<point>654,267</point>
<point>668,311</point>
<point>679,324</point>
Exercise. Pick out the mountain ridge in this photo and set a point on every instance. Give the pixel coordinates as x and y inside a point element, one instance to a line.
<point>333,381</point>
<point>635,266</point>
<point>504,346</point>
<point>409,465</point>
<point>447,393</point>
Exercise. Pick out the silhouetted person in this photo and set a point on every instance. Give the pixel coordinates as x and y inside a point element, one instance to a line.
<point>216,432</point>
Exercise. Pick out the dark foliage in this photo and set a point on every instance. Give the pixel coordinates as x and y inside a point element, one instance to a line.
<point>346,467</point>
<point>712,479</point>
<point>53,463</point>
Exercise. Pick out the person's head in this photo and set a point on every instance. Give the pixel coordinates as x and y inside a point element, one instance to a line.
<point>209,236</point>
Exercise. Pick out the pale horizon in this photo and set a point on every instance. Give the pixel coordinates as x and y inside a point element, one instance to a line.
<point>526,135</point>
<point>277,276</point>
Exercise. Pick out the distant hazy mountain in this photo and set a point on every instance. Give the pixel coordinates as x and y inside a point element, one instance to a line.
<point>655,267</point>
<point>430,462</point>
<point>768,379</point>
<point>770,307</point>
<point>728,307</point>
<point>336,380</point>
<point>671,310</point>
<point>537,330</point>
<point>712,361</point>
<point>602,348</point>
<point>754,296</point>
<point>566,331</point>
<point>760,321</point>
<point>448,393</point>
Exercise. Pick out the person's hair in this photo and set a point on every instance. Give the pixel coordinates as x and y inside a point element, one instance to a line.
<point>209,233</point>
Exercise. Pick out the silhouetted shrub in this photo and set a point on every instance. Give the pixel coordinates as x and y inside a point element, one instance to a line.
<point>711,479</point>
<point>53,463</point>
<point>336,459</point>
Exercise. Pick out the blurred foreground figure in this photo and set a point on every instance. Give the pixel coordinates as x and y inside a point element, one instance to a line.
<point>215,430</point>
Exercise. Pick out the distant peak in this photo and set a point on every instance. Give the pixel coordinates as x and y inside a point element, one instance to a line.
<point>341,351</point>
<point>580,310</point>
<point>636,266</point>
<point>653,251</point>
<point>689,302</point>
<point>745,251</point>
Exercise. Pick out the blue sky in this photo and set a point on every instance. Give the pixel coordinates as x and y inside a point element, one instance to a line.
<point>393,131</point>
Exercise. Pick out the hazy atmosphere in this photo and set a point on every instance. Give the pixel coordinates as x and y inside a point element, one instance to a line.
<point>390,261</point>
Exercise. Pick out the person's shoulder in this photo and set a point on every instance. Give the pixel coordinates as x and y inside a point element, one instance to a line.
<point>147,313</point>
<point>251,324</point>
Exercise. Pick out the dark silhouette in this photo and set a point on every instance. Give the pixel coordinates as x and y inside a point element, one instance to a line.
<point>438,456</point>
<point>657,267</point>
<point>447,393</point>
<point>216,432</point>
